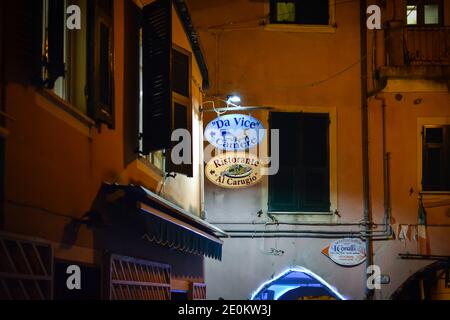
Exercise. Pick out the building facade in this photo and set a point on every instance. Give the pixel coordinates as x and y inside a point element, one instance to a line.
<point>354,108</point>
<point>91,92</point>
<point>90,97</point>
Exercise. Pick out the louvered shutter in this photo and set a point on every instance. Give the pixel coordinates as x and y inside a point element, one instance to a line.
<point>284,186</point>
<point>302,183</point>
<point>101,62</point>
<point>314,165</point>
<point>54,55</point>
<point>157,91</point>
<point>132,77</point>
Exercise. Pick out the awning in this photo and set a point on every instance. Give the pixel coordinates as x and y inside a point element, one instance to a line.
<point>169,225</point>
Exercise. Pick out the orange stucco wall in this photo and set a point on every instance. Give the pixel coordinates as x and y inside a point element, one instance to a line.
<point>55,163</point>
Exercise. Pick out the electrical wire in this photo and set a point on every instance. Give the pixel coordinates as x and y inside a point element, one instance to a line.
<point>42,209</point>
<point>338,73</point>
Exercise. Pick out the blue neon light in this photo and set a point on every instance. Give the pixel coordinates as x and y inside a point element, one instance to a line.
<point>288,271</point>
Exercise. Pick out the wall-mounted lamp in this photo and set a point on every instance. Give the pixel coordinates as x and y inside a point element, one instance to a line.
<point>232,104</point>
<point>233,99</point>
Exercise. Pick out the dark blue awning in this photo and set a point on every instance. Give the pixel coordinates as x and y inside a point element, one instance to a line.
<point>169,225</point>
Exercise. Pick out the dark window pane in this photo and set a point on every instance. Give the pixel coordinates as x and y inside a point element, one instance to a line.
<point>180,73</point>
<point>434,166</point>
<point>434,135</point>
<point>314,12</point>
<point>436,159</point>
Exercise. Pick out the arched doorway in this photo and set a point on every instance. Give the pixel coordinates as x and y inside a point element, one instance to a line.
<point>429,283</point>
<point>296,284</point>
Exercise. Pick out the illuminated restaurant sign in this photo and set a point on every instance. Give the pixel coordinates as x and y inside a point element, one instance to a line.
<point>234,170</point>
<point>235,132</point>
<point>346,252</point>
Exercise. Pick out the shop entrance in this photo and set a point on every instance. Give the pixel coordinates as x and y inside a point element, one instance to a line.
<point>430,283</point>
<point>297,284</point>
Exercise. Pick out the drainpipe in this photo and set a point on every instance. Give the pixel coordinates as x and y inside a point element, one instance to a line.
<point>386,165</point>
<point>202,168</point>
<point>369,293</point>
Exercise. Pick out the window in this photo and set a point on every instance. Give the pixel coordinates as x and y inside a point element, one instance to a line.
<point>424,12</point>
<point>181,98</point>
<point>181,108</point>
<point>302,183</point>
<point>78,64</point>
<point>309,12</point>
<point>156,158</point>
<point>436,158</point>
<point>68,79</point>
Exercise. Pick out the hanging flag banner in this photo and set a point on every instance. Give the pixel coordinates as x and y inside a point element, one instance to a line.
<point>235,132</point>
<point>346,252</point>
<point>234,170</point>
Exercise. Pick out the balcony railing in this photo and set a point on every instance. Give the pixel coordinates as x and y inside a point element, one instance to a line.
<point>427,45</point>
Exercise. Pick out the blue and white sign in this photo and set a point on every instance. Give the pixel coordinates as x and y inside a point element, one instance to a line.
<point>235,132</point>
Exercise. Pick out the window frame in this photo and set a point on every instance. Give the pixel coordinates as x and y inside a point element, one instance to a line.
<point>92,112</point>
<point>68,92</point>
<point>177,98</point>
<point>185,101</point>
<point>445,145</point>
<point>421,13</point>
<point>272,12</point>
<point>331,175</point>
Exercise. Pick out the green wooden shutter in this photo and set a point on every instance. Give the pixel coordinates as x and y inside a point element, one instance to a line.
<point>157,103</point>
<point>131,80</point>
<point>54,58</point>
<point>314,163</point>
<point>101,62</point>
<point>302,183</point>
<point>284,189</point>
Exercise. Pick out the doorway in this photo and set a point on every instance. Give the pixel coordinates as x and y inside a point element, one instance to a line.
<point>297,284</point>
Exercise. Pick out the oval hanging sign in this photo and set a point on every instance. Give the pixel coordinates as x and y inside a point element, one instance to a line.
<point>234,170</point>
<point>235,132</point>
<point>346,252</point>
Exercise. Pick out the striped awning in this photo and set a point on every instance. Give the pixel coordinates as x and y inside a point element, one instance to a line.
<point>168,225</point>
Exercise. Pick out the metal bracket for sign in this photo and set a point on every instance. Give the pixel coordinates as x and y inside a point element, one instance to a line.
<point>235,109</point>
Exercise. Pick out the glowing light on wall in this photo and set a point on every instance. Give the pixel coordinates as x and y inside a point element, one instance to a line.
<point>284,291</point>
<point>234,99</point>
